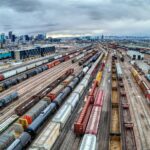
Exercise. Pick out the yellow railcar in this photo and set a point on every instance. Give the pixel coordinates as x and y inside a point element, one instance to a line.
<point>99,76</point>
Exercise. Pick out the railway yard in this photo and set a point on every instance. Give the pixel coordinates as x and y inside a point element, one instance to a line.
<point>86,99</point>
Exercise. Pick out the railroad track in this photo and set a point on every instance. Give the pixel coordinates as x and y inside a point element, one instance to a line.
<point>71,141</point>
<point>9,110</point>
<point>140,111</point>
<point>22,86</point>
<point>103,134</point>
<point>36,78</point>
<point>61,143</point>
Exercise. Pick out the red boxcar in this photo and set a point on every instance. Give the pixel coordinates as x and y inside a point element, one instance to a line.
<point>1,77</point>
<point>50,65</point>
<point>56,62</point>
<point>92,92</point>
<point>93,123</point>
<point>81,123</point>
<point>102,66</point>
<point>99,98</point>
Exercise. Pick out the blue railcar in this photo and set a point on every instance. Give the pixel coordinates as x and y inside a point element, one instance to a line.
<point>7,99</point>
<point>36,124</point>
<point>33,129</point>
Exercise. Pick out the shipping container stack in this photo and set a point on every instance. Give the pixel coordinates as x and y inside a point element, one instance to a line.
<point>115,135</point>
<point>128,136</point>
<point>142,84</point>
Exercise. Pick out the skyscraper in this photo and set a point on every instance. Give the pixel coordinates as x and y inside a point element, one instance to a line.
<point>2,38</point>
<point>102,38</point>
<point>10,34</point>
<point>13,38</point>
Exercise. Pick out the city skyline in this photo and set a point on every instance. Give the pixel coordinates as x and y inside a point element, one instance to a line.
<point>74,17</point>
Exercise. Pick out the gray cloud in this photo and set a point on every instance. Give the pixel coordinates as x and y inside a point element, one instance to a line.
<point>22,5</point>
<point>75,16</point>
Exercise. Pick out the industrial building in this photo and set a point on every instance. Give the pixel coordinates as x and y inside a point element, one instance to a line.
<point>25,53</point>
<point>33,52</point>
<point>4,55</point>
<point>135,55</point>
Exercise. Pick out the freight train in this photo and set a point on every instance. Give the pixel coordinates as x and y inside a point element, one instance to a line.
<point>54,61</point>
<point>41,105</point>
<point>128,125</point>
<point>89,138</point>
<point>84,59</point>
<point>17,70</point>
<point>10,82</point>
<point>142,84</point>
<point>32,129</point>
<point>81,123</point>
<point>25,106</point>
<point>4,101</point>
<point>115,134</point>
<point>62,117</point>
<point>88,121</point>
<point>23,122</point>
<point>119,71</point>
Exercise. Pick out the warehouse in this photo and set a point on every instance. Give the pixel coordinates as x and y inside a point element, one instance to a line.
<point>135,55</point>
<point>33,52</point>
<point>4,55</point>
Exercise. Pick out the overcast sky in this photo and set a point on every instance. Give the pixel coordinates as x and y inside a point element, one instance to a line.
<point>110,17</point>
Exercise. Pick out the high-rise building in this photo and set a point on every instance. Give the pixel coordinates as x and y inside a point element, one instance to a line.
<point>2,38</point>
<point>102,38</point>
<point>10,34</point>
<point>40,37</point>
<point>13,38</point>
<point>26,37</point>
